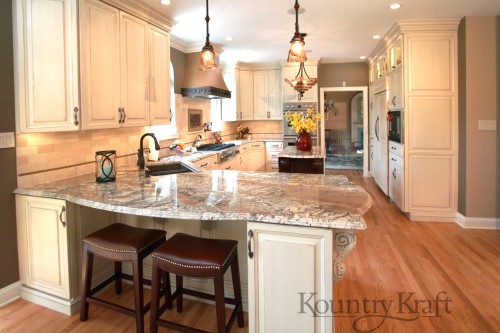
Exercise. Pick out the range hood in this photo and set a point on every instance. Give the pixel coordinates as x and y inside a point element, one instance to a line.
<point>200,84</point>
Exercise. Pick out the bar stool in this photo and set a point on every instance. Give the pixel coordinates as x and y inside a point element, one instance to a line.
<point>185,255</point>
<point>119,242</point>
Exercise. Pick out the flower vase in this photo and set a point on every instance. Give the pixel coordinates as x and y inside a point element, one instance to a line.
<point>303,141</point>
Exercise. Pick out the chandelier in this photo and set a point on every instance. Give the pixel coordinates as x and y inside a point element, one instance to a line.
<point>302,82</point>
<point>207,52</point>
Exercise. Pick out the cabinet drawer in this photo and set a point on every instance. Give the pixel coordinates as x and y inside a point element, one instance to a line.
<point>256,145</point>
<point>396,161</point>
<point>273,155</point>
<point>272,167</point>
<point>274,145</point>
<point>205,163</point>
<point>396,148</point>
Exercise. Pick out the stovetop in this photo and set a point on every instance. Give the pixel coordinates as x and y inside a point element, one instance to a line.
<point>215,146</point>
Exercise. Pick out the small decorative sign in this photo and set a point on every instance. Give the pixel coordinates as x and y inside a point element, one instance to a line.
<point>195,120</point>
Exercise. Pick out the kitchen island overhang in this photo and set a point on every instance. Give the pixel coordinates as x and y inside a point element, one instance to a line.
<point>298,220</point>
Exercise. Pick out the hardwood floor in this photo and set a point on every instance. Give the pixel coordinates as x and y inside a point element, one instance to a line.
<point>408,263</point>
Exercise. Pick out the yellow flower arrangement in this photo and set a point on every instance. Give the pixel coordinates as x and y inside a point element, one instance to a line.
<point>301,121</point>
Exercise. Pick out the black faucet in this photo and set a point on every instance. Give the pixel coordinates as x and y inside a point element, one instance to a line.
<point>140,154</point>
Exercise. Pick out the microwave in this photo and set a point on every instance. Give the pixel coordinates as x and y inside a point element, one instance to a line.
<point>395,126</point>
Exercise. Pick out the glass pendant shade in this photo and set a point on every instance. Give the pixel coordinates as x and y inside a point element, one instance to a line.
<point>297,51</point>
<point>207,58</point>
<point>207,62</point>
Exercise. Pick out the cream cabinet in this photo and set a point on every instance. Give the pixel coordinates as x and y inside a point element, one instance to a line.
<point>206,163</point>
<point>289,94</point>
<point>246,94</point>
<point>232,164</point>
<point>257,157</point>
<point>273,150</point>
<point>377,115</point>
<point>46,65</point>
<point>396,173</point>
<point>43,242</point>
<point>125,69</point>
<point>231,106</point>
<point>395,88</point>
<point>267,101</point>
<point>277,258</point>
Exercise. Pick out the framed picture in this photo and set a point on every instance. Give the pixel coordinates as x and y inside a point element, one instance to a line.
<point>195,120</point>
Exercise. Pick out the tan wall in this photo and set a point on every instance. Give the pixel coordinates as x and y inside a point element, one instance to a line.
<point>178,60</point>
<point>8,246</point>
<point>45,157</point>
<point>481,103</point>
<point>355,74</point>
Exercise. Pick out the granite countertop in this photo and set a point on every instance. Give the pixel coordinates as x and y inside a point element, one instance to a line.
<point>325,201</point>
<point>292,152</point>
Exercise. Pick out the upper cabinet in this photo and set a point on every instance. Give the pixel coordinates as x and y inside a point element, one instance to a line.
<point>231,106</point>
<point>289,72</point>
<point>267,101</point>
<point>46,65</point>
<point>125,69</point>
<point>123,63</point>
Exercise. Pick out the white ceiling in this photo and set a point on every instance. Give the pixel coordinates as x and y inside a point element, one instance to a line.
<point>337,31</point>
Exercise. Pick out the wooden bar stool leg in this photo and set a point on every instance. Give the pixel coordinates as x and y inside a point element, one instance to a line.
<point>235,274</point>
<point>167,288</point>
<point>155,296</point>
<point>88,263</point>
<point>138,294</point>
<point>179,286</point>
<point>118,277</point>
<point>220,307</point>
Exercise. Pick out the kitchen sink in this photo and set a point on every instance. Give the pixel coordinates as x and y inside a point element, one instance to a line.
<point>166,169</point>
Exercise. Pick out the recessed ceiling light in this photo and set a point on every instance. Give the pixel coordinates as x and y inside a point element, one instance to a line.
<point>229,38</point>
<point>362,57</point>
<point>376,37</point>
<point>166,2</point>
<point>395,6</point>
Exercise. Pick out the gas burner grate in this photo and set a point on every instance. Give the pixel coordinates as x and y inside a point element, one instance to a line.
<point>215,146</point>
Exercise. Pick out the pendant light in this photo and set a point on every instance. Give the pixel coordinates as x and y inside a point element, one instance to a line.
<point>207,52</point>
<point>297,51</point>
<point>302,82</point>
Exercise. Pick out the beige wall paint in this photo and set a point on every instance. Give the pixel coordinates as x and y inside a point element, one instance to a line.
<point>355,74</point>
<point>480,103</point>
<point>178,60</point>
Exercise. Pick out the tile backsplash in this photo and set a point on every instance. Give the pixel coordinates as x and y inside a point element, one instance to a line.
<point>46,157</point>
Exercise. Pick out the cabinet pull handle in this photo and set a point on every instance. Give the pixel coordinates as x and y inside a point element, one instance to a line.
<point>124,115</point>
<point>229,167</point>
<point>393,159</point>
<point>203,165</point>
<point>121,115</point>
<point>171,115</point>
<point>371,155</point>
<point>394,100</point>
<point>371,105</point>
<point>75,114</point>
<point>393,148</point>
<point>60,216</point>
<point>241,115</point>
<point>394,173</point>
<point>250,236</point>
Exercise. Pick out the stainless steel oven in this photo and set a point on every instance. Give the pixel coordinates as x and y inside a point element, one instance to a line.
<point>289,133</point>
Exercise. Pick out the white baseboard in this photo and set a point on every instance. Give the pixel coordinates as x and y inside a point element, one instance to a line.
<point>478,222</point>
<point>65,306</point>
<point>9,294</point>
<point>430,218</point>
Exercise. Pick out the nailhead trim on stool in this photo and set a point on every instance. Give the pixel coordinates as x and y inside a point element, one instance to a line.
<point>185,255</point>
<point>119,242</point>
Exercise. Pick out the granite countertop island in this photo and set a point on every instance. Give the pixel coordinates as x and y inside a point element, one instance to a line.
<point>292,152</point>
<point>323,201</point>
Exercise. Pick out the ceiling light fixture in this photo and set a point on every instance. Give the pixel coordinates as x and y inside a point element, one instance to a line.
<point>376,37</point>
<point>395,6</point>
<point>302,82</point>
<point>166,2</point>
<point>297,51</point>
<point>207,52</point>
<point>362,57</point>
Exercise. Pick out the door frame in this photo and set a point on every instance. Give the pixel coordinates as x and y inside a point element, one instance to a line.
<point>362,89</point>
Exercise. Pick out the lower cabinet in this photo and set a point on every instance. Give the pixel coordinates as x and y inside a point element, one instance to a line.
<point>257,157</point>
<point>282,296</point>
<point>43,237</point>
<point>301,165</point>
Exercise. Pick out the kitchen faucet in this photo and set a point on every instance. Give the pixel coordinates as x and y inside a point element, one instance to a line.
<point>140,154</point>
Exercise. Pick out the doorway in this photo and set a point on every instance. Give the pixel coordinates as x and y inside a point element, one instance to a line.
<point>344,127</point>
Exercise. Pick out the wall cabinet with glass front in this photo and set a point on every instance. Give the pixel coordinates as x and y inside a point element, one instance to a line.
<point>125,69</point>
<point>46,65</point>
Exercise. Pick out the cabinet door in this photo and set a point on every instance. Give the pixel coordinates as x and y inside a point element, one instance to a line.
<point>396,186</point>
<point>287,266</point>
<point>230,106</point>
<point>134,72</point>
<point>382,160</point>
<point>42,238</point>
<point>395,84</point>
<point>257,157</point>
<point>289,94</point>
<point>275,107</point>
<point>246,88</point>
<point>260,100</point>
<point>243,162</point>
<point>100,65</point>
<point>312,94</point>
<point>159,76</point>
<point>46,65</point>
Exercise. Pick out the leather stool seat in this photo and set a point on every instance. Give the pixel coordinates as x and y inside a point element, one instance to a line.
<point>185,255</point>
<point>119,242</point>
